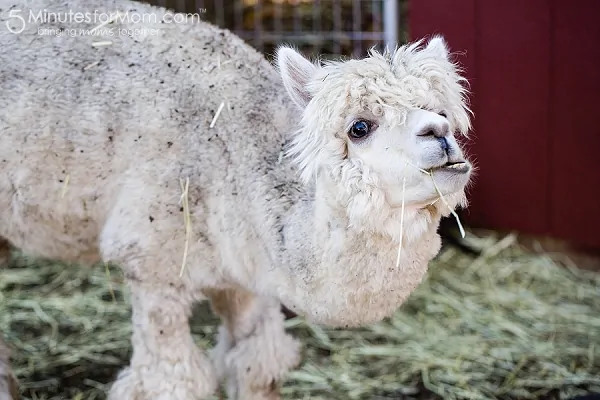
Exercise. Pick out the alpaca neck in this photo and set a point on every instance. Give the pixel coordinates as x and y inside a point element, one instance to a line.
<point>345,276</point>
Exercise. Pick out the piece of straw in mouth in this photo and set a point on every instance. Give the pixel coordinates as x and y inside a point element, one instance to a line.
<point>460,227</point>
<point>214,121</point>
<point>420,169</point>
<point>186,219</point>
<point>441,196</point>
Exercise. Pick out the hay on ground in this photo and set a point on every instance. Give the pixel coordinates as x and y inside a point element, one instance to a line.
<point>506,325</point>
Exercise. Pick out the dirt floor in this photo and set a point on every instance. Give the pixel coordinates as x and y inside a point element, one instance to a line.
<point>507,324</point>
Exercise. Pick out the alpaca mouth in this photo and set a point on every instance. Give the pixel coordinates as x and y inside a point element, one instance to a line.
<point>459,167</point>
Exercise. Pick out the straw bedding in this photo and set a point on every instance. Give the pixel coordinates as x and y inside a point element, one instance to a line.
<point>505,325</point>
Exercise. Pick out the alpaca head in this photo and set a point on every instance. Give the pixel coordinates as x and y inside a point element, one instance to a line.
<point>370,127</point>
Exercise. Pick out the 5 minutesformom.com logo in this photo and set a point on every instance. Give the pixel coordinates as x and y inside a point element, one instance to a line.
<point>15,22</point>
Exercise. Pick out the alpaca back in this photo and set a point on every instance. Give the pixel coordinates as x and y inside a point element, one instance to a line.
<point>86,112</point>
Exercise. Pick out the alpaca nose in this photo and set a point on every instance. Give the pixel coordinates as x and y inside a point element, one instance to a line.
<point>439,132</point>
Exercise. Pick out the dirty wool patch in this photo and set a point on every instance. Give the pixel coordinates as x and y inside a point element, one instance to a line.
<point>505,325</point>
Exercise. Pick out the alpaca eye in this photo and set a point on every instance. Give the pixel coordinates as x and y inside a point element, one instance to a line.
<point>443,114</point>
<point>359,129</point>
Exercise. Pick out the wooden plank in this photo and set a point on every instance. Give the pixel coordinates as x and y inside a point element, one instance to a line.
<point>456,22</point>
<point>575,122</point>
<point>511,144</point>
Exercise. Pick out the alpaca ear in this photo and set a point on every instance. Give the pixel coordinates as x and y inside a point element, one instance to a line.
<point>437,46</point>
<point>296,71</point>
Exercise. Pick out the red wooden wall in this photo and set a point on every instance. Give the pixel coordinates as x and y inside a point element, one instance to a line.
<point>534,70</point>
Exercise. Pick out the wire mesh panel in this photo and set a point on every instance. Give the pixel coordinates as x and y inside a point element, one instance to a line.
<point>316,27</point>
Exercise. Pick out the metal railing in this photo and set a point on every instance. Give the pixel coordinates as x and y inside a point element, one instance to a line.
<point>316,27</point>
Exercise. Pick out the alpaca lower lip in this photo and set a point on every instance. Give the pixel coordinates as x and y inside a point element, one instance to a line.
<point>460,167</point>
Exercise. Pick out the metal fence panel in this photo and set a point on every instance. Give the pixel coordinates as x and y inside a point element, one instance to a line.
<point>316,27</point>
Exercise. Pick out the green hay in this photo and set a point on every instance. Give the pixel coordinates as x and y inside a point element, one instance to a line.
<point>507,325</point>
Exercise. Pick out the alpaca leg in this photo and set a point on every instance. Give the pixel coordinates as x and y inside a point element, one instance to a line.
<point>5,250</point>
<point>254,352</point>
<point>8,382</point>
<point>166,363</point>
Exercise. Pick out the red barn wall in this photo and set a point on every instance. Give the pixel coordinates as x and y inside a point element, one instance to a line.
<point>534,72</point>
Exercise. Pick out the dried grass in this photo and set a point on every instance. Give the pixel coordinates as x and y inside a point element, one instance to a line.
<point>507,325</point>
<point>65,186</point>
<point>454,214</point>
<point>217,114</point>
<point>90,66</point>
<point>102,43</point>
<point>185,186</point>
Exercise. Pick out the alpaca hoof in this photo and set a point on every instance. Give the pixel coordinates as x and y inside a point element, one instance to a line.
<point>126,387</point>
<point>150,383</point>
<point>255,377</point>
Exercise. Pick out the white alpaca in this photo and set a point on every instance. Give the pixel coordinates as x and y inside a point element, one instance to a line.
<point>96,142</point>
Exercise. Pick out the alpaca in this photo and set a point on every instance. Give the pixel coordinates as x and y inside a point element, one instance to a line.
<point>207,173</point>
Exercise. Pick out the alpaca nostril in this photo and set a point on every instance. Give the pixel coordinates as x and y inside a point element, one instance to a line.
<point>443,143</point>
<point>428,133</point>
<point>434,131</point>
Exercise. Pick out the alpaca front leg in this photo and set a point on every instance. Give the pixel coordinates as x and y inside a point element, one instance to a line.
<point>166,364</point>
<point>253,352</point>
